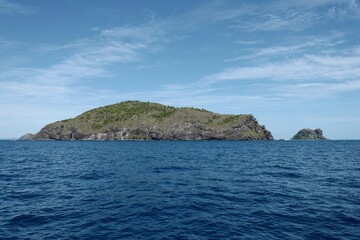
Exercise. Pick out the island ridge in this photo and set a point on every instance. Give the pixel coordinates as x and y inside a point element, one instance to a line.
<point>135,120</point>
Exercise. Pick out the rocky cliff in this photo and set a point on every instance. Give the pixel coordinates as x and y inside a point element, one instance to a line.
<point>134,120</point>
<point>27,137</point>
<point>309,134</point>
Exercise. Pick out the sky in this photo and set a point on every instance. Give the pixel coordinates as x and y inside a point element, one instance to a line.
<point>292,64</point>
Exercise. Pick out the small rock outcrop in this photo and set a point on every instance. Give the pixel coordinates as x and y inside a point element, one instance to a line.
<point>309,134</point>
<point>27,137</point>
<point>135,120</point>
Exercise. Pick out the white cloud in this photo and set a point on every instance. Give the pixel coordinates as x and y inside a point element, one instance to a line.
<point>95,29</point>
<point>148,33</point>
<point>213,12</point>
<point>191,95</point>
<point>294,15</point>
<point>350,9</point>
<point>292,48</point>
<point>316,90</point>
<point>292,20</point>
<point>308,68</point>
<point>7,44</point>
<point>45,48</point>
<point>306,4</point>
<point>90,57</point>
<point>89,61</point>
<point>27,89</point>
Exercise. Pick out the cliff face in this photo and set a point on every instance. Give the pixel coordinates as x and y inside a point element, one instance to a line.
<point>27,137</point>
<point>134,120</point>
<point>309,134</point>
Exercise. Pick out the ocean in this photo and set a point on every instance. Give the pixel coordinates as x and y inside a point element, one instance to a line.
<point>180,190</point>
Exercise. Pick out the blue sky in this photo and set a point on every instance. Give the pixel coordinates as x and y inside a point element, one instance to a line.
<point>293,64</point>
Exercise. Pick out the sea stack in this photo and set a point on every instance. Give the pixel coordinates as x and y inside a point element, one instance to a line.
<point>309,134</point>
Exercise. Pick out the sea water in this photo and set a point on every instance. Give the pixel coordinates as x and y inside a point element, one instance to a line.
<point>180,190</point>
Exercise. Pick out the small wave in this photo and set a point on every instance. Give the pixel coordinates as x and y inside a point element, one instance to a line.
<point>7,177</point>
<point>284,174</point>
<point>90,176</point>
<point>108,219</point>
<point>26,195</point>
<point>352,183</point>
<point>24,220</point>
<point>347,219</point>
<point>172,168</point>
<point>285,167</point>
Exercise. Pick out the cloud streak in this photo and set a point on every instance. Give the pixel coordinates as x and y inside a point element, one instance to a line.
<point>317,90</point>
<point>307,68</point>
<point>89,61</point>
<point>91,57</point>
<point>296,15</point>
<point>7,7</point>
<point>295,70</point>
<point>7,44</point>
<point>301,45</point>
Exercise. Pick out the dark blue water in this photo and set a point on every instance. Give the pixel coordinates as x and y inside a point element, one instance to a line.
<point>180,190</point>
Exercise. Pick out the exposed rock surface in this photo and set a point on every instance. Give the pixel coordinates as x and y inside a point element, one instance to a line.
<point>309,134</point>
<point>27,137</point>
<point>134,120</point>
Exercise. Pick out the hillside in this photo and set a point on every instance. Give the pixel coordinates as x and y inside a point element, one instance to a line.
<point>134,120</point>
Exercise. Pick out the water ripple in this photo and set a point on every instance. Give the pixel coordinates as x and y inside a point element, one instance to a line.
<point>180,190</point>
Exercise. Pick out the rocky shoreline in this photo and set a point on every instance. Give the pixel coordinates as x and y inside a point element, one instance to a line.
<point>134,120</point>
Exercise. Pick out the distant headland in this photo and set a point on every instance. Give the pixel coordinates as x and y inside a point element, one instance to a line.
<point>135,120</point>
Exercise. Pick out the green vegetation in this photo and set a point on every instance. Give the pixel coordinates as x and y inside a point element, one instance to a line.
<point>144,120</point>
<point>251,134</point>
<point>230,119</point>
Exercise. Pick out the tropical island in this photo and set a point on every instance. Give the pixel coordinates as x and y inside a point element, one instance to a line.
<point>135,120</point>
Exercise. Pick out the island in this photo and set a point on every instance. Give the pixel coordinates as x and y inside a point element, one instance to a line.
<point>309,134</point>
<point>135,120</point>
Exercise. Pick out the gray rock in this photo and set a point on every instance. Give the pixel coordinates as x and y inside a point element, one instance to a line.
<point>309,134</point>
<point>27,137</point>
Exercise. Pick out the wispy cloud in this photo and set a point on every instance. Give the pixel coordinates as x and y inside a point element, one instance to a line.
<point>305,4</point>
<point>7,7</point>
<point>268,21</point>
<point>306,77</point>
<point>7,44</point>
<point>213,12</point>
<point>316,90</point>
<point>89,60</point>
<point>27,89</point>
<point>76,45</point>
<point>308,68</point>
<point>296,47</point>
<point>350,9</point>
<point>198,95</point>
<point>296,15</point>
